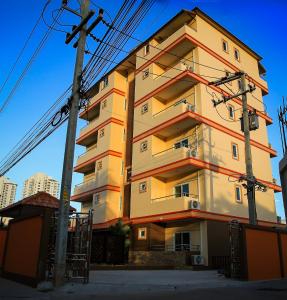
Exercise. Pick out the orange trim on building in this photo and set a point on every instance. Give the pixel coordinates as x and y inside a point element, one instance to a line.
<point>206,121</point>
<point>113,90</point>
<point>106,187</point>
<point>94,159</point>
<point>201,164</point>
<point>202,46</point>
<point>200,80</point>
<point>87,134</point>
<point>197,214</point>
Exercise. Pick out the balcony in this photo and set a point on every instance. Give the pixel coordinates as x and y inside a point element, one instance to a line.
<point>167,84</point>
<point>85,186</point>
<point>171,203</point>
<point>86,156</point>
<point>171,113</point>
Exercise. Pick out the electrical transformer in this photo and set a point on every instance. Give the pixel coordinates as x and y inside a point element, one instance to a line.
<point>253,121</point>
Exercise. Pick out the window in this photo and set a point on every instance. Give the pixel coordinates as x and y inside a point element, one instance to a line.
<point>99,165</point>
<point>236,54</point>
<point>102,132</point>
<point>129,173</point>
<point>239,85</point>
<point>235,154</point>
<point>182,143</point>
<point>96,199</point>
<point>238,194</point>
<point>231,113</point>
<point>182,241</point>
<point>142,233</point>
<point>146,49</point>
<point>144,108</point>
<point>143,146</point>
<point>105,81</point>
<point>225,46</point>
<point>181,190</point>
<point>142,187</point>
<point>145,73</point>
<point>104,104</point>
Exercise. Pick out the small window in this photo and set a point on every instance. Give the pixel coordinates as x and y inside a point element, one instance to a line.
<point>144,108</point>
<point>142,233</point>
<point>142,187</point>
<point>182,143</point>
<point>225,46</point>
<point>238,194</point>
<point>100,165</point>
<point>143,146</point>
<point>96,199</point>
<point>105,81</point>
<point>236,54</point>
<point>181,190</point>
<point>146,49</point>
<point>231,112</point>
<point>104,104</point>
<point>145,73</point>
<point>239,82</point>
<point>235,151</point>
<point>102,132</point>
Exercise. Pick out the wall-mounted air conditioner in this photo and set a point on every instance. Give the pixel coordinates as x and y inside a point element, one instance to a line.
<point>190,107</point>
<point>194,204</point>
<point>197,260</point>
<point>192,153</point>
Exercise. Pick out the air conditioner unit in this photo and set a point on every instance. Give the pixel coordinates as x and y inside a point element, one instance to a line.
<point>194,204</point>
<point>189,68</point>
<point>192,153</point>
<point>190,107</point>
<point>197,260</point>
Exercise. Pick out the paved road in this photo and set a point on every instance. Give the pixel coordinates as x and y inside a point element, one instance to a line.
<point>164,284</point>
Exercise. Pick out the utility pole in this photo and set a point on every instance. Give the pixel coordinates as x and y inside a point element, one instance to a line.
<point>63,218</point>
<point>248,158</point>
<point>252,183</point>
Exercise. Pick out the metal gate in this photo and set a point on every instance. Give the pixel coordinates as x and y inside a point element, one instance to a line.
<point>78,247</point>
<point>235,249</point>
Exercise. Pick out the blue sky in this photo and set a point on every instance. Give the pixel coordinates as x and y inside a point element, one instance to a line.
<point>261,24</point>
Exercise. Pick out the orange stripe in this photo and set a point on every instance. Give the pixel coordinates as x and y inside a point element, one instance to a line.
<point>206,121</point>
<point>197,214</point>
<point>200,164</point>
<point>106,187</point>
<point>92,160</point>
<point>207,49</point>
<point>113,90</point>
<point>201,80</point>
<point>93,130</point>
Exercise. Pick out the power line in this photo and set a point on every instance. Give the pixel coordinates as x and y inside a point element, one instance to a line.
<point>29,64</point>
<point>24,47</point>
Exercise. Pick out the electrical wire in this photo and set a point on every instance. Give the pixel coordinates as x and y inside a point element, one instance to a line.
<point>24,47</point>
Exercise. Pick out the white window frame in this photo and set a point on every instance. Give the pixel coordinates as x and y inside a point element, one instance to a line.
<point>144,230</point>
<point>145,73</point>
<point>146,49</point>
<point>236,54</point>
<point>143,187</point>
<point>231,117</point>
<point>235,146</point>
<point>143,146</point>
<point>238,188</point>
<point>224,42</point>
<point>144,108</point>
<point>182,194</point>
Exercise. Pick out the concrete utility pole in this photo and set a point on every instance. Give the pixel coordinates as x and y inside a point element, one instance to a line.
<point>63,218</point>
<point>248,158</point>
<point>250,178</point>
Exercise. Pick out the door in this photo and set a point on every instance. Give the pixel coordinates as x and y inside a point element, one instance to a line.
<point>182,241</point>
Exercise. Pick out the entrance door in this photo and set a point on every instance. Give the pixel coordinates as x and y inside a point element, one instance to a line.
<point>182,241</point>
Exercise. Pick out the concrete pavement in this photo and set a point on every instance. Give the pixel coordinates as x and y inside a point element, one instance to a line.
<point>156,284</point>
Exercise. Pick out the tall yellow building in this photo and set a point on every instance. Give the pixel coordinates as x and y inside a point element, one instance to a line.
<point>160,156</point>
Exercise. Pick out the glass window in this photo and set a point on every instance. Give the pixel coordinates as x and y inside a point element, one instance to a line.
<point>182,143</point>
<point>142,187</point>
<point>145,73</point>
<point>146,49</point>
<point>182,241</point>
<point>237,54</point>
<point>238,195</point>
<point>230,111</point>
<point>181,190</point>
<point>224,46</point>
<point>235,151</point>
<point>142,233</point>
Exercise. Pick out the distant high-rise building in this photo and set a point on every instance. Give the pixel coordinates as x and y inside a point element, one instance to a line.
<point>7,191</point>
<point>40,182</point>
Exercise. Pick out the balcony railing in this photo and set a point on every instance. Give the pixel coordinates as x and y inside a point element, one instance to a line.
<point>191,148</point>
<point>86,186</point>
<point>173,196</point>
<point>178,247</point>
<point>183,102</point>
<point>88,151</point>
